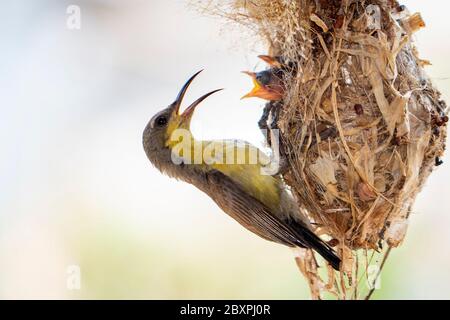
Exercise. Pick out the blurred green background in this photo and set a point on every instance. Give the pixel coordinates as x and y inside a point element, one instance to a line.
<point>76,187</point>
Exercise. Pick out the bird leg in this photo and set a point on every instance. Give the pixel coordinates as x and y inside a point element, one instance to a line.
<point>268,124</point>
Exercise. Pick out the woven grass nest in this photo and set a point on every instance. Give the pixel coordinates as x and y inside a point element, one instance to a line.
<point>357,71</point>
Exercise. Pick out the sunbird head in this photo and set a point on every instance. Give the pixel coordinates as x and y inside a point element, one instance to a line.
<point>158,132</point>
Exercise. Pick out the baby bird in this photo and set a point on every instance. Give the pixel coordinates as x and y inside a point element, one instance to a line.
<point>268,84</point>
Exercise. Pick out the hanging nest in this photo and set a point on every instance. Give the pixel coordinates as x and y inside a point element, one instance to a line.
<point>356,70</point>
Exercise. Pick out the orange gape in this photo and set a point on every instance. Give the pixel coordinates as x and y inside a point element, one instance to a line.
<point>267,84</point>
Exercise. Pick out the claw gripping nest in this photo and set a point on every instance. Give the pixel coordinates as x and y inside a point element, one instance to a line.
<point>358,71</point>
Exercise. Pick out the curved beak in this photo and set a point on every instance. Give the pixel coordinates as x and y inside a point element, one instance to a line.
<point>177,103</point>
<point>187,114</point>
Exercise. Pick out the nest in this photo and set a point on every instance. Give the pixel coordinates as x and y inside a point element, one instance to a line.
<point>356,70</point>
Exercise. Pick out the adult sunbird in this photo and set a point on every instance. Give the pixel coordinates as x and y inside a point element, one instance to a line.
<point>257,201</point>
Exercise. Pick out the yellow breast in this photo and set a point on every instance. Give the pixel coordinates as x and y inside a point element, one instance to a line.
<point>245,167</point>
<point>240,161</point>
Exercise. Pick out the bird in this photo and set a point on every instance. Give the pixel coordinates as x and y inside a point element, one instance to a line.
<point>242,188</point>
<point>268,84</point>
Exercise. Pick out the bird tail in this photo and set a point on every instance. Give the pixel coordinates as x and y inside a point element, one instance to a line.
<point>309,239</point>
<point>326,252</point>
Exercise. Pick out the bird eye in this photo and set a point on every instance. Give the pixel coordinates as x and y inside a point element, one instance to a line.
<point>263,78</point>
<point>161,121</point>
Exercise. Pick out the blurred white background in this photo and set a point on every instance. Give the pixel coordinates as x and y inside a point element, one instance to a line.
<point>77,189</point>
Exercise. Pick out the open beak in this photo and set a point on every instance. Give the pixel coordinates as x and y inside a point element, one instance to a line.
<point>261,91</point>
<point>257,88</point>
<point>187,114</point>
<point>177,103</point>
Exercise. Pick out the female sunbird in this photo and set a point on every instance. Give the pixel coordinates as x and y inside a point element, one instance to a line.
<point>258,201</point>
